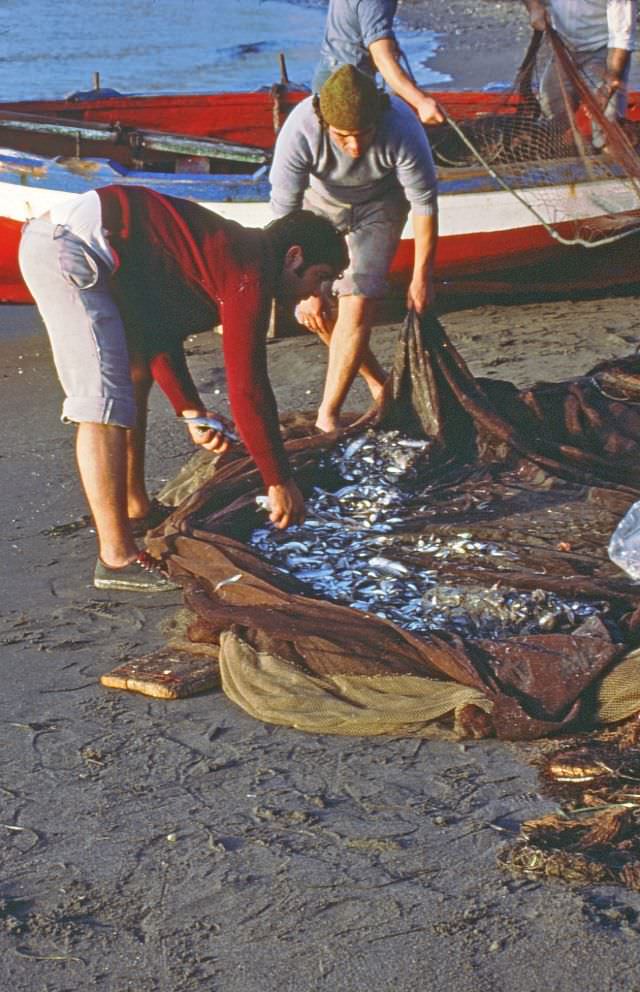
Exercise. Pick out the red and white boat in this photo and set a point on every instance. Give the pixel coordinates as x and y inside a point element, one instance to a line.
<point>500,232</point>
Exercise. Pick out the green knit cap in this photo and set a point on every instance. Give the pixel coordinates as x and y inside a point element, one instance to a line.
<point>349,100</point>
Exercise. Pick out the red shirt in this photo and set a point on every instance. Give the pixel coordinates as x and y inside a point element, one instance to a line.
<point>181,270</point>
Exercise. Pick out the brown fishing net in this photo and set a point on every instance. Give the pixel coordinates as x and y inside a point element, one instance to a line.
<point>595,834</point>
<point>577,172</point>
<point>519,625</point>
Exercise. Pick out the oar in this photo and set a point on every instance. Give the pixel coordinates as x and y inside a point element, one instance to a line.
<point>137,139</point>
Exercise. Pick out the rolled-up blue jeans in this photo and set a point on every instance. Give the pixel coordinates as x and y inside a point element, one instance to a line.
<point>70,285</point>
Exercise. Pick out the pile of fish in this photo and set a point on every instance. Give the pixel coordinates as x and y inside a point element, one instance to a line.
<point>358,546</point>
<point>477,611</point>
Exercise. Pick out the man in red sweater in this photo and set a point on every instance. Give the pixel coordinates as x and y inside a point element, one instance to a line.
<point>121,277</point>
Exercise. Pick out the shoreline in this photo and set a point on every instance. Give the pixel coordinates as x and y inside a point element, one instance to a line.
<point>483,44</point>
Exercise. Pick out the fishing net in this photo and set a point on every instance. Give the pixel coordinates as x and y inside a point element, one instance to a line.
<point>577,172</point>
<point>452,567</point>
<point>594,837</point>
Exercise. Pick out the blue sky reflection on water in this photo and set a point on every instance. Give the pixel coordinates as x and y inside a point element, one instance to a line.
<point>48,49</point>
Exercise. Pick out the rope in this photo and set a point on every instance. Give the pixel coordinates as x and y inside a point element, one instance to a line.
<point>570,242</point>
<point>611,396</point>
<point>524,84</point>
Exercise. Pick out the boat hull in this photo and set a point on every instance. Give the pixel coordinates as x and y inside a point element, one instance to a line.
<point>490,240</point>
<point>497,264</point>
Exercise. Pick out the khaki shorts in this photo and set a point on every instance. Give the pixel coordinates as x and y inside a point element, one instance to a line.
<point>70,285</point>
<point>372,231</point>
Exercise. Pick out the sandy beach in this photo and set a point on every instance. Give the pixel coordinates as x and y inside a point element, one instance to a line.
<point>152,846</point>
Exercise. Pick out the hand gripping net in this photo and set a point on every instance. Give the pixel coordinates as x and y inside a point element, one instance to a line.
<point>581,194</point>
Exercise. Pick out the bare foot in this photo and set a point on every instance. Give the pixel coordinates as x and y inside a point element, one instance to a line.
<point>327,423</point>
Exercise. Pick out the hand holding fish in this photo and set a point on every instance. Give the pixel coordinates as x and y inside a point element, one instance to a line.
<point>209,430</point>
<point>286,503</point>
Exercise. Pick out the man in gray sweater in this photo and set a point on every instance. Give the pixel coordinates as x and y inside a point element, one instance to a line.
<point>361,159</point>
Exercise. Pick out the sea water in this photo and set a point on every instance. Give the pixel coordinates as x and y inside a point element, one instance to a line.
<point>49,48</point>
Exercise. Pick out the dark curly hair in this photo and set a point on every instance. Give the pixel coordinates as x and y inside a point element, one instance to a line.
<point>320,241</point>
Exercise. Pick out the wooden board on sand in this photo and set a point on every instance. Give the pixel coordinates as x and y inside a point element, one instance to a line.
<point>165,674</point>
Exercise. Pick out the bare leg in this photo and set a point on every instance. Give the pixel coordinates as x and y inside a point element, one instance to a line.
<point>370,368</point>
<point>101,450</point>
<point>349,353</point>
<point>137,496</point>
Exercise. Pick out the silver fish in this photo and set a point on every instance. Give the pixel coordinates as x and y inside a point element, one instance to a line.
<point>357,546</point>
<point>227,582</point>
<point>207,423</point>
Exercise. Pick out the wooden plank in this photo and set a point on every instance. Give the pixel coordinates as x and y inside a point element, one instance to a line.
<point>165,674</point>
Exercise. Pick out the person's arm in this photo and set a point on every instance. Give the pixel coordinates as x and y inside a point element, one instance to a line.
<point>171,372</point>
<point>407,143</point>
<point>245,320</point>
<point>384,53</point>
<point>621,22</point>
<point>425,234</point>
<point>538,14</point>
<point>289,173</point>
<point>617,62</point>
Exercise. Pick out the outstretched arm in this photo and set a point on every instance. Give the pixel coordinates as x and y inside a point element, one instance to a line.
<point>170,370</point>
<point>245,320</point>
<point>384,53</point>
<point>421,288</point>
<point>614,79</point>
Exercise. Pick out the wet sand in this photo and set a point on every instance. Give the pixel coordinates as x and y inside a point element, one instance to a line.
<point>155,846</point>
<point>480,43</point>
<point>180,846</point>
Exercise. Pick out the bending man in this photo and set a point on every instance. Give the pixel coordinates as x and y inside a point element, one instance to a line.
<point>361,159</point>
<point>121,277</point>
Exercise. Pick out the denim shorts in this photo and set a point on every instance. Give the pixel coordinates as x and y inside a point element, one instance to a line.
<point>372,231</point>
<point>70,285</point>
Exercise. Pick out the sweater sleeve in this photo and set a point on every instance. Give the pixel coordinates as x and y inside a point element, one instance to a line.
<point>414,162</point>
<point>622,16</point>
<point>291,166</point>
<point>170,370</point>
<point>245,319</point>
